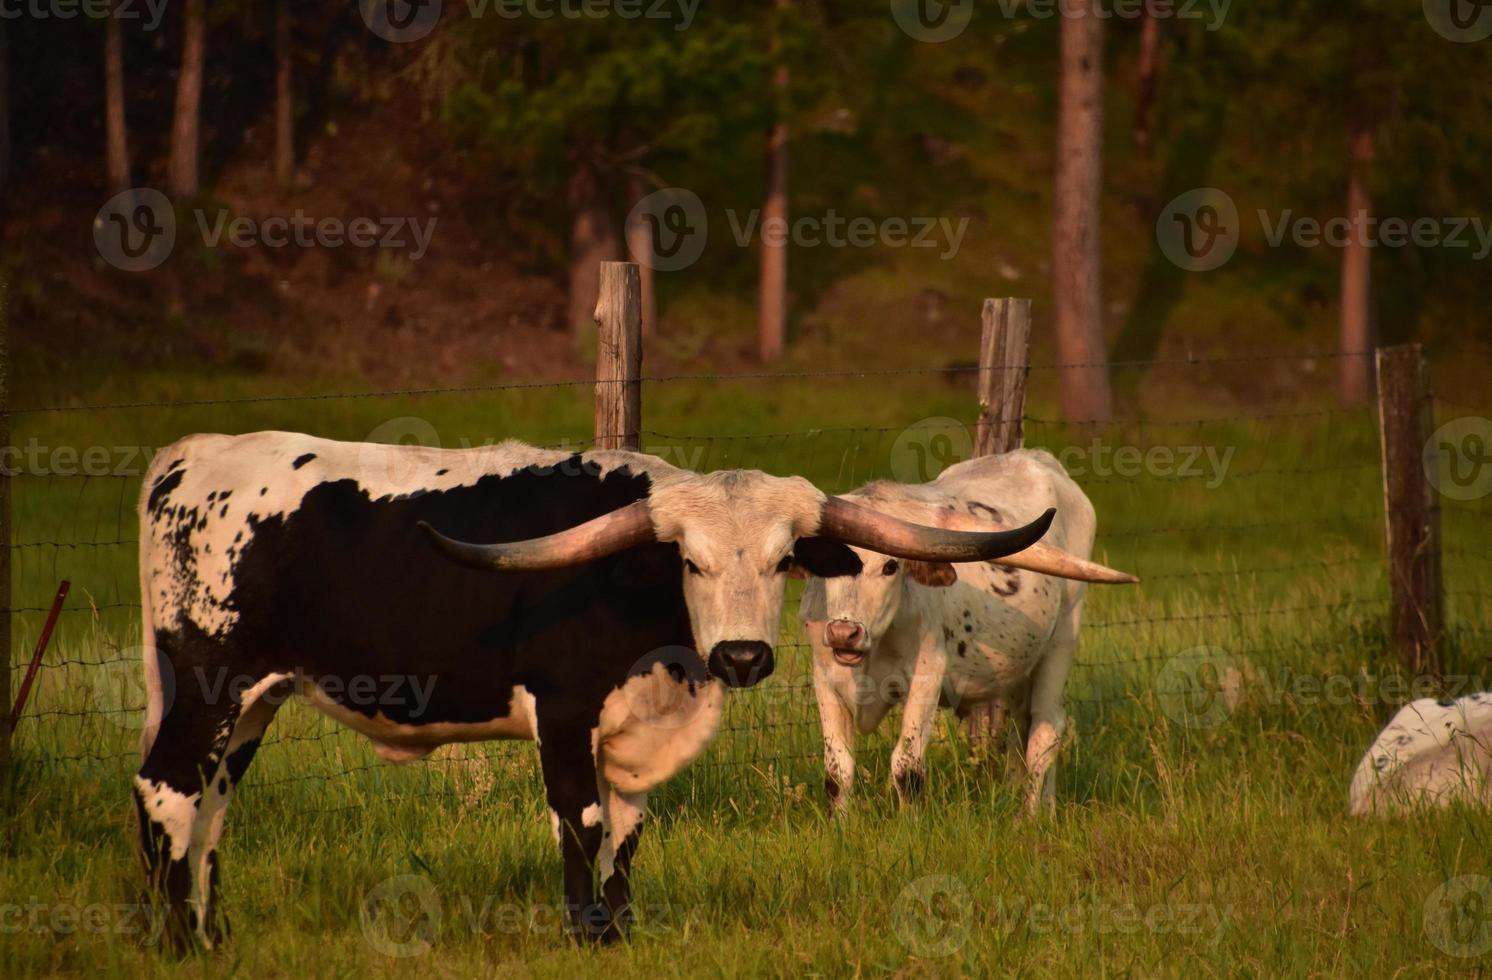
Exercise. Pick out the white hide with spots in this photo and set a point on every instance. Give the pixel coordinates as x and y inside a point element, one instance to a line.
<point>997,634</point>
<point>1432,754</point>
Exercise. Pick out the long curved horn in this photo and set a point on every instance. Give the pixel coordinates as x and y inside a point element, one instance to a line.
<point>866,528</point>
<point>605,535</point>
<point>1045,558</point>
<point>1049,560</point>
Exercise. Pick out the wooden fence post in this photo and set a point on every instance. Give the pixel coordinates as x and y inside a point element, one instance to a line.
<point>5,526</point>
<point>1004,360</point>
<point>1411,508</point>
<point>619,357</point>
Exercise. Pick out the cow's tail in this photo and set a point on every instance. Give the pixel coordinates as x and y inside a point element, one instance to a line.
<point>150,656</point>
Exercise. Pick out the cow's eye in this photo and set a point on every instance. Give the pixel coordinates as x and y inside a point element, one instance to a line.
<point>890,567</point>
<point>693,568</point>
<point>785,564</point>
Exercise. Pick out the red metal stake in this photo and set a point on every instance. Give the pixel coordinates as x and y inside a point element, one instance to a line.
<point>41,648</point>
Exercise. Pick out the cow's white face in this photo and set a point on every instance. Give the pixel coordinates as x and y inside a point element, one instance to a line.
<point>860,608</point>
<point>736,531</point>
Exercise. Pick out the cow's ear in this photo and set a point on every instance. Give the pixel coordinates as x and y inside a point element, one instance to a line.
<point>825,558</point>
<point>934,574</point>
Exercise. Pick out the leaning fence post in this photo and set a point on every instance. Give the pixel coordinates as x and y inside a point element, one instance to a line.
<point>619,357</point>
<point>1411,508</point>
<point>1004,360</point>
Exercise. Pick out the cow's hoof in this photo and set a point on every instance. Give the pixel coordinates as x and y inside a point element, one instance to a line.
<point>909,786</point>
<point>596,926</point>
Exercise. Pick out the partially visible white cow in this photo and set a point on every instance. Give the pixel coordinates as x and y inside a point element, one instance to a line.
<point>925,634</point>
<point>1433,754</point>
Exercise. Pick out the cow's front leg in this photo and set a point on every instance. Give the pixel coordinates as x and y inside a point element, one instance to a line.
<point>569,768</point>
<point>919,714</point>
<point>837,723</point>
<point>621,831</point>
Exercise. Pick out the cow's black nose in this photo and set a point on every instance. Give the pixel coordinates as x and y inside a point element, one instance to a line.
<point>741,663</point>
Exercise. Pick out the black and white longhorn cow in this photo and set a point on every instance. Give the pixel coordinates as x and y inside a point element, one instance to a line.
<point>298,565</point>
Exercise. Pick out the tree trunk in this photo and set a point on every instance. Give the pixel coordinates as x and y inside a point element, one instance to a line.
<point>4,105</point>
<point>1146,71</point>
<point>284,98</point>
<point>639,243</point>
<point>1084,380</point>
<point>1355,329</point>
<point>772,301</point>
<point>181,170</point>
<point>116,130</point>
<point>593,240</point>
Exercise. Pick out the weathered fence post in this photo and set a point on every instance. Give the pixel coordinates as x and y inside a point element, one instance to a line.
<point>1004,360</point>
<point>1411,508</point>
<point>619,357</point>
<point>5,525</point>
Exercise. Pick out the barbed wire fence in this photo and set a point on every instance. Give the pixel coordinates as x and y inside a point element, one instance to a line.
<point>1260,539</point>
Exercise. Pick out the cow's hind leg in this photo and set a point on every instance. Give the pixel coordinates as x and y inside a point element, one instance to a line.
<point>1048,718</point>
<point>257,711</point>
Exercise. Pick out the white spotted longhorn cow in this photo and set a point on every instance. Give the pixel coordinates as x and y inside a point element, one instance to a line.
<point>927,633</point>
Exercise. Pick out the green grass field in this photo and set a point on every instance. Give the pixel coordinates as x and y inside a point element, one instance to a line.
<point>1201,827</point>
